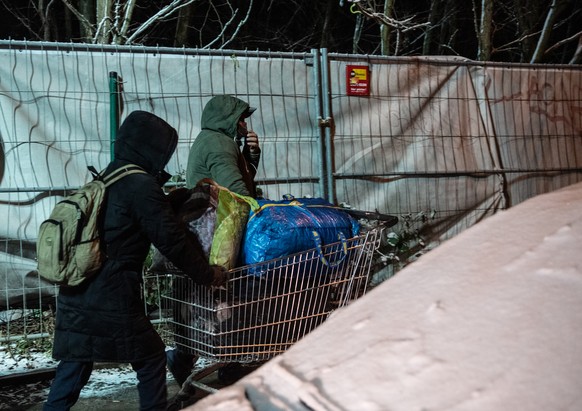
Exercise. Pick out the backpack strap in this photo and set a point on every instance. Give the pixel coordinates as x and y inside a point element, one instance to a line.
<point>121,172</point>
<point>96,174</point>
<point>116,174</point>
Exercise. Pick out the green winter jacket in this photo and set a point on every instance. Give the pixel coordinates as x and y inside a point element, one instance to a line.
<point>216,153</point>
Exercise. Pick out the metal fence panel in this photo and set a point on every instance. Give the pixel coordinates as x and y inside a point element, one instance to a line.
<point>448,139</point>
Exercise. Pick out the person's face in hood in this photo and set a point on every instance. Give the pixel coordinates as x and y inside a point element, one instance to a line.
<point>146,140</point>
<point>222,114</point>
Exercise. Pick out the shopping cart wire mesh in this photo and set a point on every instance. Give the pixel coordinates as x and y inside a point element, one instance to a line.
<point>266,307</point>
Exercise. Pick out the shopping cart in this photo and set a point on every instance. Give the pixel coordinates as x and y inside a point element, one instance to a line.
<point>265,307</point>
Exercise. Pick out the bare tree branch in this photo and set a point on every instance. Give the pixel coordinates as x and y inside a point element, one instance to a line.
<point>507,46</point>
<point>357,33</point>
<point>448,44</point>
<point>100,31</point>
<point>21,18</point>
<point>386,22</point>
<point>166,11</point>
<point>577,57</point>
<point>240,24</point>
<point>564,41</point>
<point>223,30</point>
<point>129,7</point>
<point>401,25</point>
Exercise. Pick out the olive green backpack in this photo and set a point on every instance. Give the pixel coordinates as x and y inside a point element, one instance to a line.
<point>68,246</point>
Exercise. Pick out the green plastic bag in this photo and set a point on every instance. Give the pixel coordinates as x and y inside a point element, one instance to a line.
<point>232,213</point>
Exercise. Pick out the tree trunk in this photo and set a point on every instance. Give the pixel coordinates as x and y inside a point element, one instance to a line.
<point>542,44</point>
<point>484,53</point>
<point>182,26</point>
<point>448,28</point>
<point>386,31</point>
<point>523,28</point>
<point>429,35</point>
<point>102,20</point>
<point>69,33</point>
<point>324,39</point>
<point>88,9</point>
<point>46,32</point>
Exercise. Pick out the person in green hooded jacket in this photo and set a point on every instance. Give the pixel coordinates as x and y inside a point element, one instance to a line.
<point>225,150</point>
<point>228,152</point>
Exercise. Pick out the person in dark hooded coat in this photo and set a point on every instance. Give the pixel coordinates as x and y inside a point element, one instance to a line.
<point>103,319</point>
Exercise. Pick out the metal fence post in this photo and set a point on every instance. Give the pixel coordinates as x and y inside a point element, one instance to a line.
<point>113,109</point>
<point>327,124</point>
<point>320,122</point>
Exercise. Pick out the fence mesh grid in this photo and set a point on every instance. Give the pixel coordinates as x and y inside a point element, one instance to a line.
<point>448,140</point>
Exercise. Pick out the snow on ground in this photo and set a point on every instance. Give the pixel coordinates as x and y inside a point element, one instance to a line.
<point>489,320</point>
<point>107,379</point>
<point>103,382</point>
<point>13,363</point>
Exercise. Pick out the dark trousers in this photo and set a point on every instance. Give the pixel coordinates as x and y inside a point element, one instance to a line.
<point>71,377</point>
<point>180,364</point>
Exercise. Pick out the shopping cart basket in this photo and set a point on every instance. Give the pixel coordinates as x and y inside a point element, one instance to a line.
<point>266,307</point>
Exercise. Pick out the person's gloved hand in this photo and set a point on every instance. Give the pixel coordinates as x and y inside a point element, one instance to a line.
<point>178,197</point>
<point>219,276</point>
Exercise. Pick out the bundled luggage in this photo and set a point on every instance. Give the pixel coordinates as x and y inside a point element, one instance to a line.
<point>281,228</point>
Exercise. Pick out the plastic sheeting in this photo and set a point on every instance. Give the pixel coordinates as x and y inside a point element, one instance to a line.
<point>285,227</point>
<point>447,138</point>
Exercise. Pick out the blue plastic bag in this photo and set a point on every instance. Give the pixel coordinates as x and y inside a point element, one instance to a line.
<point>282,228</point>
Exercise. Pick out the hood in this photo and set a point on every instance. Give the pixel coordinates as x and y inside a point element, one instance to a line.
<point>221,114</point>
<point>146,140</point>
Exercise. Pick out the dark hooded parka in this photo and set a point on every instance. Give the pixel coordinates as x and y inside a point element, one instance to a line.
<point>216,153</point>
<point>104,319</point>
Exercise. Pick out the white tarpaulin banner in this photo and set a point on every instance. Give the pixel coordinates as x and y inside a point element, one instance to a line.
<point>452,140</point>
